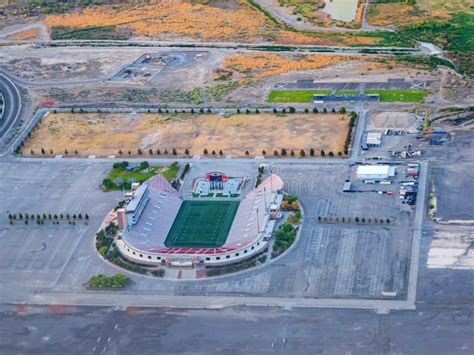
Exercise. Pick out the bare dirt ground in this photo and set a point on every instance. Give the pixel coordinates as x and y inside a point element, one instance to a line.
<point>395,120</point>
<point>106,134</point>
<point>53,64</point>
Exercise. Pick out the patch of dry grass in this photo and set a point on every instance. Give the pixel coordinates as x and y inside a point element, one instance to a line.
<point>180,18</point>
<point>104,134</point>
<point>260,64</point>
<point>25,35</point>
<point>402,14</point>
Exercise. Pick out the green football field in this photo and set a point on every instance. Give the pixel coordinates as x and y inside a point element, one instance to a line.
<point>202,224</point>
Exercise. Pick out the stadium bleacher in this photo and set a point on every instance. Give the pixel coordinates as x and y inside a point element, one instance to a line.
<point>151,231</point>
<point>156,220</point>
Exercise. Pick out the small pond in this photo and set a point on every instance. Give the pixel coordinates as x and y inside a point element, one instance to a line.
<point>341,10</point>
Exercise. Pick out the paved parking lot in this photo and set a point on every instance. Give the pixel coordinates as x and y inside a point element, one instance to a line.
<point>360,86</point>
<point>34,256</point>
<point>330,260</point>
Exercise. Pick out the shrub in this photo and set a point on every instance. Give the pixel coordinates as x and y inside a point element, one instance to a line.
<point>158,272</point>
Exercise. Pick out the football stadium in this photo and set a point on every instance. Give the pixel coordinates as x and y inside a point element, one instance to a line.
<point>159,227</point>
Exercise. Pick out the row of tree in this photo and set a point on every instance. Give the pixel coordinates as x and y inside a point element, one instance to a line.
<point>290,109</point>
<point>282,152</point>
<point>354,219</point>
<point>352,122</point>
<point>44,216</point>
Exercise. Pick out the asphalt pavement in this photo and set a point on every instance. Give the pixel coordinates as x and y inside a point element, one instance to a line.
<point>12,101</point>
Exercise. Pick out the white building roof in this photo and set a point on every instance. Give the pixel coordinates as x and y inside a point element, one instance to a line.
<point>374,138</point>
<point>373,170</point>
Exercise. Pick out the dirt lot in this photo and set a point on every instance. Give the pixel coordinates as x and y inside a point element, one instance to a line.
<point>105,134</point>
<point>394,120</point>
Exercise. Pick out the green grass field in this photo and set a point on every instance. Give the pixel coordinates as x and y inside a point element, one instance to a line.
<point>202,224</point>
<point>399,95</point>
<point>294,95</point>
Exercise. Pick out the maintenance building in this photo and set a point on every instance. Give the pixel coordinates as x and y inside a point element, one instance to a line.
<point>375,172</point>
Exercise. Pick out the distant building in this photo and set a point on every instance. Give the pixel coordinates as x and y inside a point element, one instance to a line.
<point>375,172</point>
<point>374,139</point>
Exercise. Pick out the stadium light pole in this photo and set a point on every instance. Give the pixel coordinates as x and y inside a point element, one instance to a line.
<point>258,224</point>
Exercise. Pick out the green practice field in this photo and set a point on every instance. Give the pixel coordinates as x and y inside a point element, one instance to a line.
<point>202,224</point>
<point>294,95</point>
<point>399,95</point>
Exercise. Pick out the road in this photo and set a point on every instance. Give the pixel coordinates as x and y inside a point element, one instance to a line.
<point>290,19</point>
<point>13,102</point>
<point>239,330</point>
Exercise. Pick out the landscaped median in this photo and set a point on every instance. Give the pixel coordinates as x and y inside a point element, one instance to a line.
<point>103,281</point>
<point>285,235</point>
<point>123,174</point>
